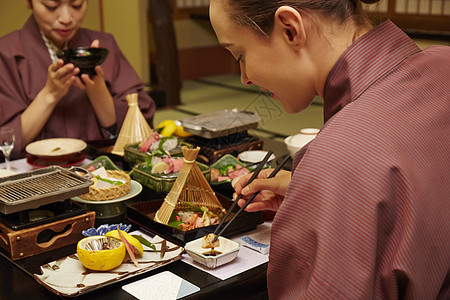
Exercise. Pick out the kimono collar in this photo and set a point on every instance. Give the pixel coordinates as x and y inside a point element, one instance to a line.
<point>52,49</point>
<point>363,63</point>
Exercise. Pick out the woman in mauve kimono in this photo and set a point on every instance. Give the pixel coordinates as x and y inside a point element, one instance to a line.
<point>365,212</point>
<point>41,97</point>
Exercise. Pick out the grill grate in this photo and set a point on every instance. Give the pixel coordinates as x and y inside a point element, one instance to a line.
<point>39,187</point>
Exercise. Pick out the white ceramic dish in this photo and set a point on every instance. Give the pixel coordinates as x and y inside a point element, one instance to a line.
<point>254,156</point>
<point>297,141</point>
<point>229,249</point>
<point>55,147</point>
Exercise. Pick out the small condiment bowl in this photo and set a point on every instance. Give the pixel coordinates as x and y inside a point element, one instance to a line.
<point>296,142</point>
<point>229,250</point>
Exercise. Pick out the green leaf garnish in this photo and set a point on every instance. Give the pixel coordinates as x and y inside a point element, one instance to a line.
<point>175,224</point>
<point>113,182</point>
<point>145,242</point>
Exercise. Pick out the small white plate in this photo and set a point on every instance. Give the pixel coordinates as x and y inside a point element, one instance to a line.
<point>254,156</point>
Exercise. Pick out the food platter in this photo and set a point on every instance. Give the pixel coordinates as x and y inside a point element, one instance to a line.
<point>68,277</point>
<point>160,183</point>
<point>136,188</point>
<point>142,214</point>
<point>110,208</point>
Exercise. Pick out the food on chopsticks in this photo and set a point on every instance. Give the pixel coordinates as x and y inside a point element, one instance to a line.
<point>228,172</point>
<point>196,217</point>
<point>103,253</point>
<point>207,242</point>
<point>108,184</point>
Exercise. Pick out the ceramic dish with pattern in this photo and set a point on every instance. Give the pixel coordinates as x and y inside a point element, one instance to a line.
<point>69,278</point>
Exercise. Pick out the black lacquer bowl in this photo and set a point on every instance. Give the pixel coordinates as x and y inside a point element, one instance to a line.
<point>85,58</point>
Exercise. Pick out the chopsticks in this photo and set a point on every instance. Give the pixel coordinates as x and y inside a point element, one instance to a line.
<point>255,174</point>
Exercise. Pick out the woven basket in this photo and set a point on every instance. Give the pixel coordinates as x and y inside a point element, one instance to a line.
<point>112,192</point>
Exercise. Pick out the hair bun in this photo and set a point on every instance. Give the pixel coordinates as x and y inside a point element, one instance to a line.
<point>369,1</point>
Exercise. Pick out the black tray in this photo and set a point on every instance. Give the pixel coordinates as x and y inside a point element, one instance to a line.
<point>139,214</point>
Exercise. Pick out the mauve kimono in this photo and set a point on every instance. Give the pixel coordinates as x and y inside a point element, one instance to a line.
<point>367,212</point>
<point>24,60</point>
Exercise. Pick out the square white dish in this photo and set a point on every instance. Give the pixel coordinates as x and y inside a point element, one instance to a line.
<point>229,250</point>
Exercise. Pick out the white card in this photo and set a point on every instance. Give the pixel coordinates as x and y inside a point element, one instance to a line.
<point>162,286</point>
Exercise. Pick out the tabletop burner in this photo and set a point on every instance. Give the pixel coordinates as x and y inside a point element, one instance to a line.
<point>222,142</point>
<point>33,189</point>
<point>42,215</point>
<point>214,148</point>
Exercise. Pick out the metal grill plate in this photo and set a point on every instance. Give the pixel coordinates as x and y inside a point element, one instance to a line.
<point>33,189</point>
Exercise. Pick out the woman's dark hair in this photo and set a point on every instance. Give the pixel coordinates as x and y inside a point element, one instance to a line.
<point>259,14</point>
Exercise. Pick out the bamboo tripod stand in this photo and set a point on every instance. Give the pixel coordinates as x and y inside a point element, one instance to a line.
<point>190,187</point>
<point>134,129</point>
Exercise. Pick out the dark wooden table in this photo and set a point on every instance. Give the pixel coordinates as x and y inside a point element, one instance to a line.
<point>17,282</point>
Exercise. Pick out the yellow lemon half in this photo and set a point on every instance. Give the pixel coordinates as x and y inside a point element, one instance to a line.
<point>137,246</point>
<point>100,253</point>
<point>168,127</point>
<point>160,167</point>
<point>179,131</point>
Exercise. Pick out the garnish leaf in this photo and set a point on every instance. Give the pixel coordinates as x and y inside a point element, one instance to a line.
<point>144,241</point>
<point>113,182</point>
<point>128,247</point>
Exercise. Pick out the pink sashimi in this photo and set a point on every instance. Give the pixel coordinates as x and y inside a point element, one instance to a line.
<point>238,172</point>
<point>149,141</point>
<point>175,164</point>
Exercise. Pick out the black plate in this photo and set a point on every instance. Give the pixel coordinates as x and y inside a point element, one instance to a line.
<point>141,214</point>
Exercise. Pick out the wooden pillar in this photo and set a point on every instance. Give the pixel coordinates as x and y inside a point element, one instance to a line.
<point>167,68</point>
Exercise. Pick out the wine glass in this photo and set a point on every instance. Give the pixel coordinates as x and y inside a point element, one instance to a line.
<point>7,139</point>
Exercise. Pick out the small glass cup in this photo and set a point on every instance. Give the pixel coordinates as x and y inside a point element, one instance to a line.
<point>7,139</point>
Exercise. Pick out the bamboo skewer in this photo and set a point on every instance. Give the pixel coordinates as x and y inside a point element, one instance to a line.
<point>190,187</point>
<point>134,129</point>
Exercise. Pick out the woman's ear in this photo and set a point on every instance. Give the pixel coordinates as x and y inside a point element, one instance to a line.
<point>28,4</point>
<point>289,23</point>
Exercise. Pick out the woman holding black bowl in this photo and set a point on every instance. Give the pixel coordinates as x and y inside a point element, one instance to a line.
<point>42,97</point>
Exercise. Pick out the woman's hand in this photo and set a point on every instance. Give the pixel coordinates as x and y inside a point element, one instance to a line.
<point>271,191</point>
<point>98,93</point>
<point>97,81</point>
<point>59,79</point>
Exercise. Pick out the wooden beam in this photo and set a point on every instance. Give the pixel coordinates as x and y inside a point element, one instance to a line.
<point>167,69</point>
